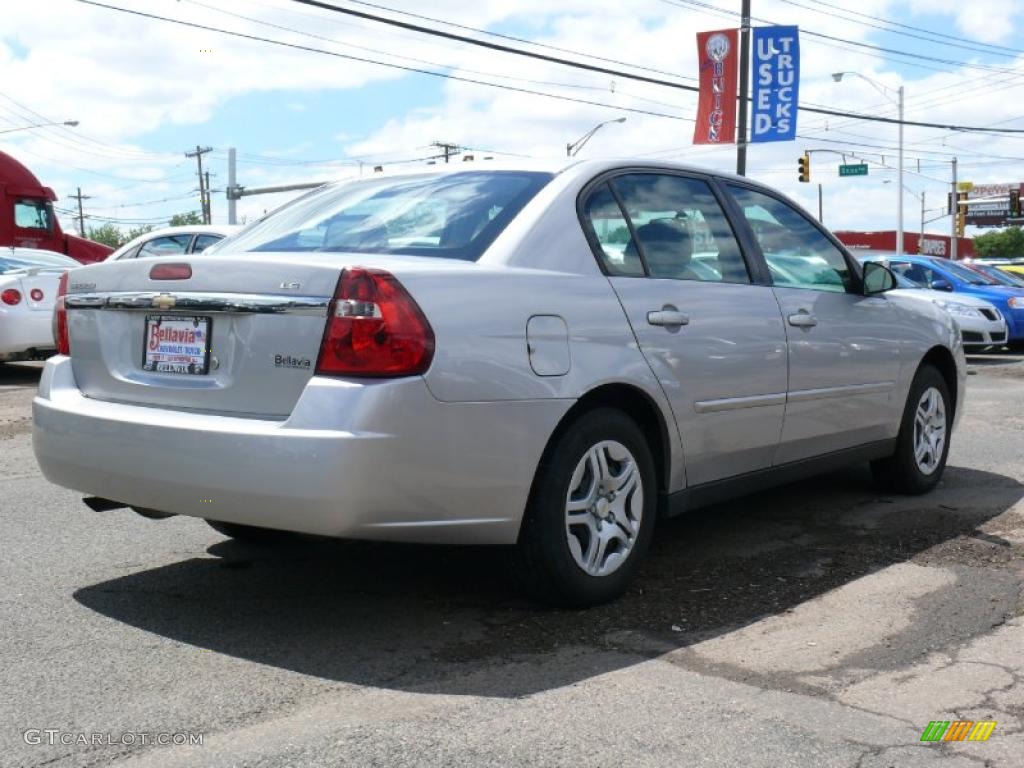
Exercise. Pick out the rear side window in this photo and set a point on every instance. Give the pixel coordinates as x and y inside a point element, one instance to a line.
<point>676,229</point>
<point>455,216</point>
<point>203,242</point>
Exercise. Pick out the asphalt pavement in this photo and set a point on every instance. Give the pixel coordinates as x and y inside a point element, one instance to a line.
<point>818,624</point>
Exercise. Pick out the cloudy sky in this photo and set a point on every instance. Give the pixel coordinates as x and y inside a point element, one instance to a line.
<point>145,90</point>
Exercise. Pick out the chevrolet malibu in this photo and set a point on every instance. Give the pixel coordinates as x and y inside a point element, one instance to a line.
<point>546,357</point>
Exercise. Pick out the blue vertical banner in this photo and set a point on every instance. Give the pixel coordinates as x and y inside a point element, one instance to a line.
<point>776,83</point>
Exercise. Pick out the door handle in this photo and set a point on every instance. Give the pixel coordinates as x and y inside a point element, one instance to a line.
<point>669,317</point>
<point>803,319</point>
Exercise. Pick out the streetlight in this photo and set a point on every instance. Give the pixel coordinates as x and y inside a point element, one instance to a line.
<point>886,91</point>
<point>69,123</point>
<point>921,197</point>
<point>576,146</point>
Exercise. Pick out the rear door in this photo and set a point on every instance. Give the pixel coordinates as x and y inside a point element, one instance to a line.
<point>712,336</point>
<point>844,348</point>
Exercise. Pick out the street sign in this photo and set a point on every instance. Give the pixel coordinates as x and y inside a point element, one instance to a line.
<point>854,169</point>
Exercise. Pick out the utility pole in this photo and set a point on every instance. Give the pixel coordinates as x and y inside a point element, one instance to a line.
<point>821,213</point>
<point>741,129</point>
<point>207,208</point>
<point>232,187</point>
<point>81,216</point>
<point>198,155</point>
<point>920,240</point>
<point>954,210</point>
<point>899,192</point>
<point>448,149</point>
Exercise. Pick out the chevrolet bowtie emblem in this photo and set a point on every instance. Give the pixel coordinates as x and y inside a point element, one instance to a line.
<point>164,301</point>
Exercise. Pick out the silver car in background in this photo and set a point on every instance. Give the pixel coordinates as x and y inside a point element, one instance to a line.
<point>544,357</point>
<point>982,325</point>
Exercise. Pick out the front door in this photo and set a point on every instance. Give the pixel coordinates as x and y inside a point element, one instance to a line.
<point>844,347</point>
<point>714,339</point>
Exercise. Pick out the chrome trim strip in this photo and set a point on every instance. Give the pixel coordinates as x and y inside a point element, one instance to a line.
<point>200,301</point>
<point>805,395</point>
<point>736,403</point>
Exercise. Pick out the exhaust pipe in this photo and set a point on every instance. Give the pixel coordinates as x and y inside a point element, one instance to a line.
<point>96,504</point>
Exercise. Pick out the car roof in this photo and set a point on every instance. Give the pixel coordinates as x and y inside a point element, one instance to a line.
<point>582,167</point>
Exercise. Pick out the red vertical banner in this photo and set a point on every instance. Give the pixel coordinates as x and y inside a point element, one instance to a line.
<point>717,54</point>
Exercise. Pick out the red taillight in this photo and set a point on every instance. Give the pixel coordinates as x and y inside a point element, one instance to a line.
<point>36,294</point>
<point>10,296</point>
<point>60,318</point>
<point>374,328</point>
<point>171,272</point>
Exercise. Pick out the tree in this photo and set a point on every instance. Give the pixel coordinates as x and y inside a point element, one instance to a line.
<point>108,234</point>
<point>136,231</point>
<point>182,219</point>
<point>1005,242</point>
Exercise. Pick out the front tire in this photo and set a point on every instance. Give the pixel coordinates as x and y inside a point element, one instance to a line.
<point>591,512</point>
<point>923,442</point>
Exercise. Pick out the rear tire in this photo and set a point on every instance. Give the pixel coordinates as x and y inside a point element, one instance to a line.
<point>250,534</point>
<point>590,516</point>
<point>923,441</point>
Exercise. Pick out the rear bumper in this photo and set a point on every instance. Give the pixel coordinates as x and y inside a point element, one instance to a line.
<point>23,330</point>
<point>374,460</point>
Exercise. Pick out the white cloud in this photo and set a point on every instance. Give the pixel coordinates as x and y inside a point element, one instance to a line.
<point>124,77</point>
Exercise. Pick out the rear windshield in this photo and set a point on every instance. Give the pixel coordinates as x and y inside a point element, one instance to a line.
<point>43,261</point>
<point>968,275</point>
<point>453,216</point>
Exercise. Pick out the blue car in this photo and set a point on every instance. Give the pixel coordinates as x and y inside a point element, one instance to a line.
<point>945,275</point>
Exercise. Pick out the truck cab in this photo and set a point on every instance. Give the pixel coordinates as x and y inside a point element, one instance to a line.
<point>27,218</point>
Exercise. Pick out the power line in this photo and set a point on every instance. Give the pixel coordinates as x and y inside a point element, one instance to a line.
<point>832,38</point>
<point>920,29</point>
<point>418,70</point>
<point>950,41</point>
<point>530,54</point>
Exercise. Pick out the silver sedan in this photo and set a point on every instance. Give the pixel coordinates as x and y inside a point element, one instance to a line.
<point>547,357</point>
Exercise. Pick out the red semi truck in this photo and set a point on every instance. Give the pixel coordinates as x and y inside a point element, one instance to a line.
<point>27,219</point>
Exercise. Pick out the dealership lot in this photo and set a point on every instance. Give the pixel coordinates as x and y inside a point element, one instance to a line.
<point>821,623</point>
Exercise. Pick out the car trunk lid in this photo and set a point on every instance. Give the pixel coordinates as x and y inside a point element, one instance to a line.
<point>239,335</point>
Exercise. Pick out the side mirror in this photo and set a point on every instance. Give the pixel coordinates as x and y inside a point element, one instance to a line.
<point>878,278</point>
<point>941,285</point>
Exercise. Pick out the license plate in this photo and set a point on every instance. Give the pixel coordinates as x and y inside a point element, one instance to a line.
<point>176,344</point>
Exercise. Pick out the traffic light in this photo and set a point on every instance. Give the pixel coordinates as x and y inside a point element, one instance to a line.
<point>1014,203</point>
<point>961,213</point>
<point>804,165</point>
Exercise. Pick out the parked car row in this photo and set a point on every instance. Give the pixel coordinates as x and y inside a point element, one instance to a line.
<point>545,357</point>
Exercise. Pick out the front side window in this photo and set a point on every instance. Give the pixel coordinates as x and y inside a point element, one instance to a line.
<point>455,216</point>
<point>32,214</point>
<point>169,245</point>
<point>679,231</point>
<point>798,254</point>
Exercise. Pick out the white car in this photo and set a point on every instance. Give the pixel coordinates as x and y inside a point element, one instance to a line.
<point>29,279</point>
<point>982,325</point>
<point>174,241</point>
